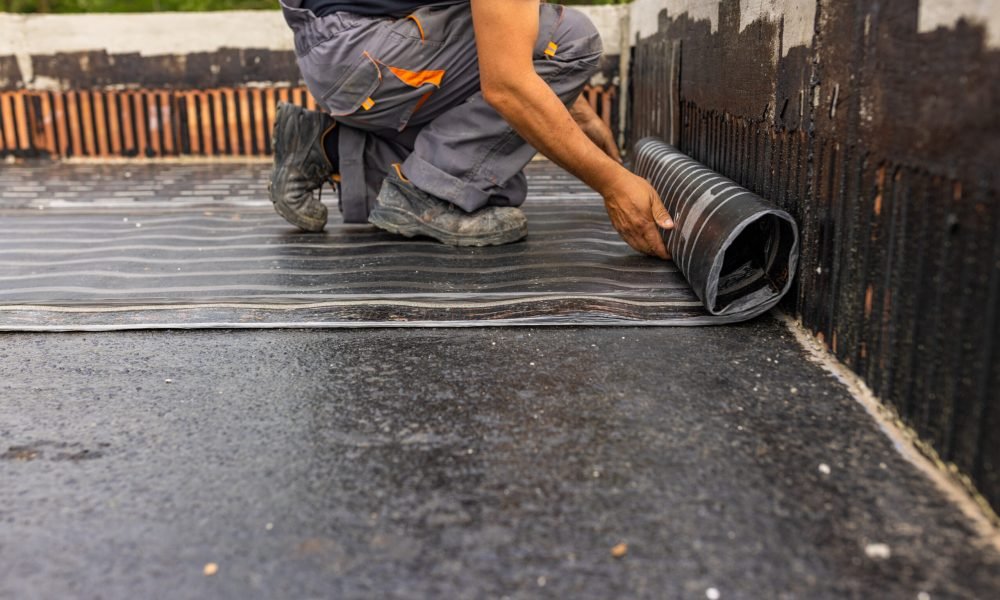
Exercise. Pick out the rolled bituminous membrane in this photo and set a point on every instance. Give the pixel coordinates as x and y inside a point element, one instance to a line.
<point>737,250</point>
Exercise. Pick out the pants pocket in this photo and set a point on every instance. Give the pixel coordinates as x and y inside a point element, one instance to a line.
<point>385,100</point>
<point>354,90</point>
<point>393,70</point>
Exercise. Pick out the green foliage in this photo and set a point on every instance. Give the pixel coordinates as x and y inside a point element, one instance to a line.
<point>80,6</point>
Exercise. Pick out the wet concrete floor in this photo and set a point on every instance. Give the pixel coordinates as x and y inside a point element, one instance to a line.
<point>482,463</point>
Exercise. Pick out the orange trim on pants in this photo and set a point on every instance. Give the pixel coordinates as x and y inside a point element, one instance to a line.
<point>418,78</point>
<point>419,26</point>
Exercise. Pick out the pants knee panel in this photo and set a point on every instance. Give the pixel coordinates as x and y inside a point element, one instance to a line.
<point>577,37</point>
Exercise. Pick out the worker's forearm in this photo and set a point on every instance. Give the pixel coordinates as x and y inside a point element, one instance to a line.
<point>581,111</point>
<point>538,115</point>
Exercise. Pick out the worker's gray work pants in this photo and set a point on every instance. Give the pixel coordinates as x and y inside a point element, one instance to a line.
<point>407,91</point>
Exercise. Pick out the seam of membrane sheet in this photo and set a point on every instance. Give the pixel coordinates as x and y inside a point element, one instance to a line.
<point>957,488</point>
<point>336,303</point>
<point>257,315</point>
<point>468,324</point>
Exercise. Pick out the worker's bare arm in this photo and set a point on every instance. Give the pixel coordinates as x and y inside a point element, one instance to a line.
<point>505,36</point>
<point>595,128</point>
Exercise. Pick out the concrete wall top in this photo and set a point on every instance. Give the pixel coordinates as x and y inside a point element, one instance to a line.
<point>175,33</point>
<point>178,32</point>
<point>59,51</point>
<point>148,34</point>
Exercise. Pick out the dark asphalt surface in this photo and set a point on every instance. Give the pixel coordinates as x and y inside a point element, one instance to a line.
<point>457,464</point>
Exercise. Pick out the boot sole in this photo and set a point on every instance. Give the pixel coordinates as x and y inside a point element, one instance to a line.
<point>302,222</point>
<point>401,223</point>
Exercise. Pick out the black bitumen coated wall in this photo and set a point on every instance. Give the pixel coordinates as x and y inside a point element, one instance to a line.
<point>884,143</point>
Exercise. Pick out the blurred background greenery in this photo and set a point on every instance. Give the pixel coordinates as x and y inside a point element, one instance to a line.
<point>75,6</point>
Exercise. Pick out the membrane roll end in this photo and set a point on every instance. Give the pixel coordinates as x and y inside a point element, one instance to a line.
<point>737,250</point>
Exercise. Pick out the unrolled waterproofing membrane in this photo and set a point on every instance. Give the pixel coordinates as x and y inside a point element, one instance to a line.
<point>83,248</point>
<point>737,250</point>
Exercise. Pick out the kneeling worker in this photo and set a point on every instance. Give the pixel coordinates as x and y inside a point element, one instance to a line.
<point>432,111</point>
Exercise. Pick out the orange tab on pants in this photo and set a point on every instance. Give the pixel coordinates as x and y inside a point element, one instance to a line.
<point>368,103</point>
<point>418,78</point>
<point>551,50</point>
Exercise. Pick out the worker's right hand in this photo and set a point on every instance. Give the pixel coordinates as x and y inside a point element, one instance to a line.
<point>635,210</point>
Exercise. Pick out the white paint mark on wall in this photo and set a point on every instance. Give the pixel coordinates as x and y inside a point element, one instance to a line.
<point>799,16</point>
<point>946,13</point>
<point>646,14</point>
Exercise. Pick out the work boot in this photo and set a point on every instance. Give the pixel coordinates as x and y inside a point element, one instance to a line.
<point>301,165</point>
<point>404,209</point>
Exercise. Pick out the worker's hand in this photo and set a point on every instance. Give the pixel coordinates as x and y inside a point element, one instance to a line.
<point>506,33</point>
<point>635,210</point>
